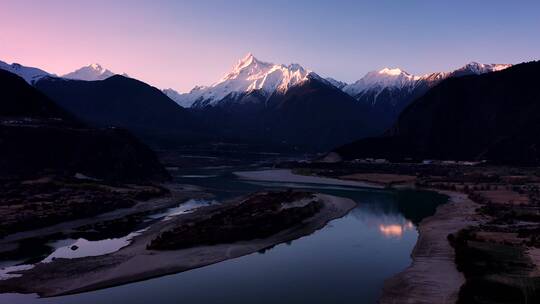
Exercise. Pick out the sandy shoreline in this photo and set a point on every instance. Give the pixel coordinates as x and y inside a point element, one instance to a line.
<point>286,175</point>
<point>386,180</point>
<point>136,263</point>
<point>433,276</point>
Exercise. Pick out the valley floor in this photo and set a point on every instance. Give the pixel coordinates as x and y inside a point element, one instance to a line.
<point>484,239</point>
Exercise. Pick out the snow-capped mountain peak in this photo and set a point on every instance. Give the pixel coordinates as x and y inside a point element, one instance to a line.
<point>390,76</point>
<point>247,68</point>
<point>96,66</point>
<point>91,72</point>
<point>248,61</point>
<point>392,72</point>
<point>29,74</point>
<point>387,77</point>
<point>397,78</point>
<point>248,74</point>
<point>481,68</point>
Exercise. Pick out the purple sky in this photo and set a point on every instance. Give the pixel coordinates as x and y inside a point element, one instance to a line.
<point>180,44</point>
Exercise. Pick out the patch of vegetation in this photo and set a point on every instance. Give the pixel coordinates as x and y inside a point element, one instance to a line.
<point>494,272</point>
<point>32,204</point>
<point>259,216</point>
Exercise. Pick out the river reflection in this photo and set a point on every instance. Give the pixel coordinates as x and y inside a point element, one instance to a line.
<point>345,262</point>
<point>395,230</point>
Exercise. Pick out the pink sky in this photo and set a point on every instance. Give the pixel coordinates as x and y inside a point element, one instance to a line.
<point>181,44</point>
<point>42,34</point>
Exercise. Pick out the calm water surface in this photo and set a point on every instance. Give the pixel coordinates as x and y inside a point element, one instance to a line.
<point>345,262</point>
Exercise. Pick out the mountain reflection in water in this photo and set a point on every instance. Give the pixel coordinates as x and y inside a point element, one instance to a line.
<point>395,230</point>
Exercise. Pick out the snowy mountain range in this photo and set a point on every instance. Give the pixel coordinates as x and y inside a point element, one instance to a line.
<point>491,117</point>
<point>389,91</point>
<point>381,79</point>
<point>29,74</point>
<point>256,103</point>
<point>249,74</point>
<point>88,73</point>
<point>91,72</point>
<point>399,79</point>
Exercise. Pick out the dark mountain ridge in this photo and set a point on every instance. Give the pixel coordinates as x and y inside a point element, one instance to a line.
<point>123,102</point>
<point>494,116</point>
<point>37,137</point>
<point>311,116</point>
<point>386,102</point>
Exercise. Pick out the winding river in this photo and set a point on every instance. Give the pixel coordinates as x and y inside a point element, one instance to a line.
<point>345,262</point>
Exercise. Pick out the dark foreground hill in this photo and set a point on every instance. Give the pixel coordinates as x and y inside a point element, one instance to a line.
<point>495,117</point>
<point>122,102</point>
<point>37,137</point>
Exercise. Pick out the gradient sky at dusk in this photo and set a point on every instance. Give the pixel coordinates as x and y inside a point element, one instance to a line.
<point>180,44</point>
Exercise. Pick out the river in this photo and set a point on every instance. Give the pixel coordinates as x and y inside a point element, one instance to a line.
<point>345,262</point>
